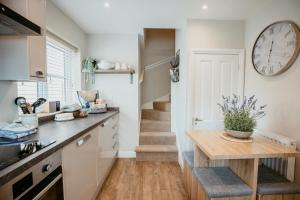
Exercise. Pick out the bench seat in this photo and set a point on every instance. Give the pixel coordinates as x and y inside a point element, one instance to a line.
<point>221,182</point>
<point>272,183</point>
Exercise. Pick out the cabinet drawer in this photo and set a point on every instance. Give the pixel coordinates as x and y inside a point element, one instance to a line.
<point>111,122</point>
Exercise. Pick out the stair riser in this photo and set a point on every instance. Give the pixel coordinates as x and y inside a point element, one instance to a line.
<point>145,156</point>
<point>152,115</point>
<point>161,140</point>
<point>162,106</point>
<point>153,127</point>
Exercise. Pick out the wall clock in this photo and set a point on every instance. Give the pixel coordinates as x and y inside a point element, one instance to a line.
<point>276,48</point>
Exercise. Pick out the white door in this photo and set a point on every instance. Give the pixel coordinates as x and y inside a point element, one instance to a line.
<point>214,74</point>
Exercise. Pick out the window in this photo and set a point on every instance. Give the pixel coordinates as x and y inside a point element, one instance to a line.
<point>59,76</point>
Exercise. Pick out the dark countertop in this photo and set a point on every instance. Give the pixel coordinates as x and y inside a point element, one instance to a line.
<point>63,133</point>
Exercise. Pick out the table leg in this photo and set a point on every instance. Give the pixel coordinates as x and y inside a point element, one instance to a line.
<point>200,159</point>
<point>247,170</point>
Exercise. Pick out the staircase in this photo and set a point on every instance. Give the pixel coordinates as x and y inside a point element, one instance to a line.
<point>157,143</point>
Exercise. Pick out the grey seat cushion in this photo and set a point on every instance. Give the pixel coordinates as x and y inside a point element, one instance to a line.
<point>221,182</point>
<point>278,188</point>
<point>189,158</point>
<point>267,175</point>
<point>271,182</point>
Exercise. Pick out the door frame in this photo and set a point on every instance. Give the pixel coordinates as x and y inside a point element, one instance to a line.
<point>190,86</point>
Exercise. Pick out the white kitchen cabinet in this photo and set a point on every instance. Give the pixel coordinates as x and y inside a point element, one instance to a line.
<point>87,161</point>
<point>34,10</point>
<point>108,147</point>
<point>23,58</point>
<point>79,161</point>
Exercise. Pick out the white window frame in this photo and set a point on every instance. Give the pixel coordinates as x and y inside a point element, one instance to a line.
<point>68,78</point>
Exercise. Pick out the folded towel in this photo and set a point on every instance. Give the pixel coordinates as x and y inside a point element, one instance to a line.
<point>16,135</point>
<point>16,130</point>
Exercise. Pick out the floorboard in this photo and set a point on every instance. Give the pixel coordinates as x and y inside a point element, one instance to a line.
<point>131,180</point>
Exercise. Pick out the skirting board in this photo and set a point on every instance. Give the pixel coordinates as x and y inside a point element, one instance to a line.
<point>126,154</point>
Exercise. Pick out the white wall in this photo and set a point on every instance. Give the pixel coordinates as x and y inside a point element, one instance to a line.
<point>8,93</point>
<point>63,27</point>
<point>159,45</point>
<point>280,93</point>
<point>178,95</point>
<point>198,34</point>
<point>215,34</point>
<point>116,89</point>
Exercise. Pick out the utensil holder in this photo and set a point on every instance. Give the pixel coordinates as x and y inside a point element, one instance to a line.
<point>29,119</point>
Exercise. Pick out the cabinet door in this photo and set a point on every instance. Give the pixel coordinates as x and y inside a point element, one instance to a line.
<point>104,152</point>
<point>37,12</point>
<point>108,147</point>
<point>37,57</point>
<point>80,167</point>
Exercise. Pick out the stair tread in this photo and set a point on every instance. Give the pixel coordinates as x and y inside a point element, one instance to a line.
<point>155,121</point>
<point>156,148</point>
<point>162,105</point>
<point>162,102</point>
<point>159,111</point>
<point>157,134</point>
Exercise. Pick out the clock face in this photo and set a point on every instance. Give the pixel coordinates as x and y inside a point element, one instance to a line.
<point>276,48</point>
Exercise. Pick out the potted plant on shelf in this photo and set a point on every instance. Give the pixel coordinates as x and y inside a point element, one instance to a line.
<point>240,115</point>
<point>89,66</point>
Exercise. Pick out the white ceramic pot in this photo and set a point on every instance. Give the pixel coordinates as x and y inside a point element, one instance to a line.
<point>29,120</point>
<point>104,65</point>
<point>238,134</point>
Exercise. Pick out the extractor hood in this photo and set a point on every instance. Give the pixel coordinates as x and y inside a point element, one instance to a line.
<point>12,23</point>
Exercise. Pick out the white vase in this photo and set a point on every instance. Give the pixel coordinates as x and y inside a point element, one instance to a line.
<point>238,134</point>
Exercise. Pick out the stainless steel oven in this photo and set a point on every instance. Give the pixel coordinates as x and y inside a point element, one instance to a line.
<point>43,181</point>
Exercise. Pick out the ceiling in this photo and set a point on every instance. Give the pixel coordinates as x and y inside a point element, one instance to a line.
<point>131,16</point>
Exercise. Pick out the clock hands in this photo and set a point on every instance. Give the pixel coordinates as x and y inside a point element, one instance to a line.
<point>271,49</point>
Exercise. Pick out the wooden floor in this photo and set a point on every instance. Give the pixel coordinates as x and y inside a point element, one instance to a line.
<point>131,180</point>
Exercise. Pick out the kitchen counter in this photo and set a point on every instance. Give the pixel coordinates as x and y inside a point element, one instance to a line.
<point>63,133</point>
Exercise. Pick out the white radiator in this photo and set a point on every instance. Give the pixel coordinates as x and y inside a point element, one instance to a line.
<point>285,166</point>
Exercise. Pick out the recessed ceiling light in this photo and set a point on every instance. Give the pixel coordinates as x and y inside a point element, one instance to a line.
<point>204,7</point>
<point>106,5</point>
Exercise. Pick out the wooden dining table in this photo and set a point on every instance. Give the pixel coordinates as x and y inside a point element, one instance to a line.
<point>212,150</point>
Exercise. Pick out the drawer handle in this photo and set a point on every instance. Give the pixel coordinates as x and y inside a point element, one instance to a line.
<point>83,140</point>
<point>104,124</point>
<point>115,126</point>
<point>115,135</point>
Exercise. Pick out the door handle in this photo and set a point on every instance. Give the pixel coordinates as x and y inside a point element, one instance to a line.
<point>38,74</point>
<point>196,119</point>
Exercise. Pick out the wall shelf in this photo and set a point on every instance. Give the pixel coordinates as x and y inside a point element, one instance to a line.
<point>119,71</point>
<point>115,71</point>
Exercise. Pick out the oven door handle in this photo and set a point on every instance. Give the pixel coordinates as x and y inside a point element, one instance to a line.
<point>39,195</point>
